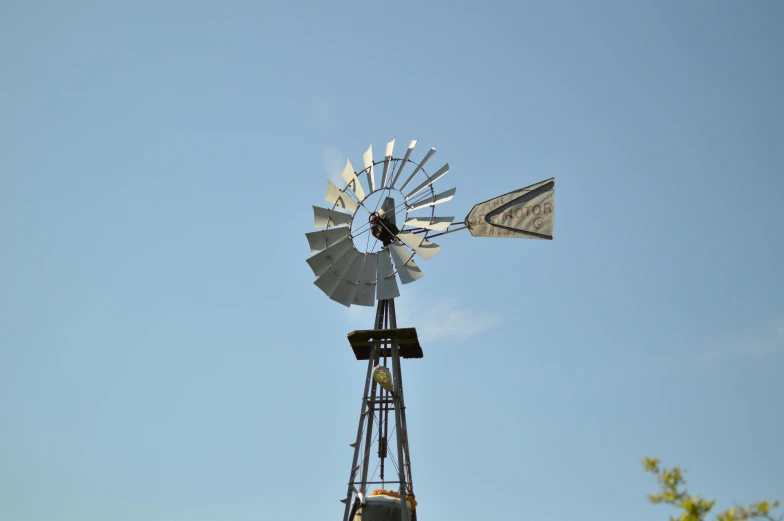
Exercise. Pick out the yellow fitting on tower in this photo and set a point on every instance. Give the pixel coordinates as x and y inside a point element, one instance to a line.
<point>383,492</point>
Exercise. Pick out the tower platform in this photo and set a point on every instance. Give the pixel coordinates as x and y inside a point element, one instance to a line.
<point>406,338</point>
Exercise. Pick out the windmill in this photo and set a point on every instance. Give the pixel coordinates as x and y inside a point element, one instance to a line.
<point>370,238</point>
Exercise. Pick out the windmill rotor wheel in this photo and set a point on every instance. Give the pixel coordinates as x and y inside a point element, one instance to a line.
<point>373,232</point>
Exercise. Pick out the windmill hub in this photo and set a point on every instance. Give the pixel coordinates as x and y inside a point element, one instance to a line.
<point>383,229</point>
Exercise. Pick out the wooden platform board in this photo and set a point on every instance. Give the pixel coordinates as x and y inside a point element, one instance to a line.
<point>406,338</point>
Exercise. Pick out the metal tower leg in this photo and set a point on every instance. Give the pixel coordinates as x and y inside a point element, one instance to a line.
<point>397,395</point>
<point>404,432</point>
<point>365,411</point>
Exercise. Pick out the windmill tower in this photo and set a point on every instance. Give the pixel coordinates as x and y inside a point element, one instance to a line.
<point>369,240</point>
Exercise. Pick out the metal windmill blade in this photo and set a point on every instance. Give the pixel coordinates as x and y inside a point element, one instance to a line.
<point>356,272</point>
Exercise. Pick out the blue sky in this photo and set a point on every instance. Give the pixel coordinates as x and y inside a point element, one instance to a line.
<point>164,355</point>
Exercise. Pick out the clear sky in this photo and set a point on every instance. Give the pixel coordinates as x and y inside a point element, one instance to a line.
<point>164,355</point>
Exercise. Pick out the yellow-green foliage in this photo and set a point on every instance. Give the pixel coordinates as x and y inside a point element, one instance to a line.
<point>672,491</point>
